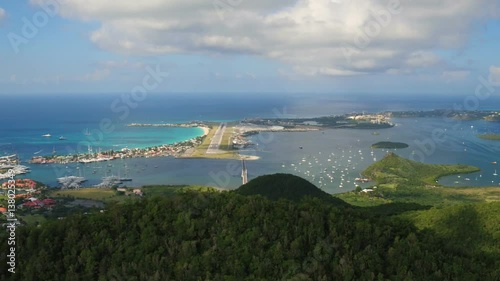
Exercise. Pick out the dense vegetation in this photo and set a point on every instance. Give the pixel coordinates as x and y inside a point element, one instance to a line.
<point>285,186</point>
<point>389,145</point>
<point>225,236</point>
<point>409,228</point>
<point>403,185</point>
<point>473,228</point>
<point>398,171</point>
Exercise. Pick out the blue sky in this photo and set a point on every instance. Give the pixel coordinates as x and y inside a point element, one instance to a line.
<point>348,46</point>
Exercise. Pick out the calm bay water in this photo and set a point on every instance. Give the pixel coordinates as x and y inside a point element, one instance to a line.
<point>330,159</point>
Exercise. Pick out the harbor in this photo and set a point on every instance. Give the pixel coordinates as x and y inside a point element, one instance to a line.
<point>174,150</point>
<point>11,163</point>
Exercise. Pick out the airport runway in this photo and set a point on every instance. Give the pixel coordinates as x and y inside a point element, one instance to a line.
<point>213,148</point>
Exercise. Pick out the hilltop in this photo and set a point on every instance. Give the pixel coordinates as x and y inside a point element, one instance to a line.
<point>284,186</point>
<point>403,184</point>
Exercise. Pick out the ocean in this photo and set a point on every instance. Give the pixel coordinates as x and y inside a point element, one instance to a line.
<point>331,159</point>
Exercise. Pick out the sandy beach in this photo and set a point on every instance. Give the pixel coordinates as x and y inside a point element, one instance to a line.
<point>206,130</point>
<point>249,157</point>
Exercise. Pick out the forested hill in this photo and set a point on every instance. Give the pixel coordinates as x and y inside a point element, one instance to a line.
<point>400,171</point>
<point>226,236</point>
<point>285,186</point>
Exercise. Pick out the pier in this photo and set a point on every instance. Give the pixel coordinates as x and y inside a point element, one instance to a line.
<point>244,172</point>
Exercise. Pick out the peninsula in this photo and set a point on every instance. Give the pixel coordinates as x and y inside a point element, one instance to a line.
<point>487,115</point>
<point>495,137</point>
<point>223,140</point>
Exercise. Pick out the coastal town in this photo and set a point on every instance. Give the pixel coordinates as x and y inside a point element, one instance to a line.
<point>175,150</point>
<point>35,202</point>
<point>218,140</point>
<point>346,121</point>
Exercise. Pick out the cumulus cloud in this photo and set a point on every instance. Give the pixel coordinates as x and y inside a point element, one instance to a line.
<point>494,75</point>
<point>124,64</point>
<point>453,75</point>
<point>2,13</point>
<point>315,37</point>
<point>96,75</point>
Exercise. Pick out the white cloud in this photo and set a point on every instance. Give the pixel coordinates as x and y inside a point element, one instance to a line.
<point>246,75</point>
<point>315,37</point>
<point>494,75</point>
<point>2,13</point>
<point>454,75</point>
<point>125,64</point>
<point>97,75</point>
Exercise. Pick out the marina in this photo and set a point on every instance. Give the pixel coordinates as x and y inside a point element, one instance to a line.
<point>11,163</point>
<point>344,152</point>
<point>71,182</point>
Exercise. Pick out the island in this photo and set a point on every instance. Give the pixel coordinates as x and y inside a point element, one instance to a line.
<point>495,137</point>
<point>389,145</point>
<point>487,115</point>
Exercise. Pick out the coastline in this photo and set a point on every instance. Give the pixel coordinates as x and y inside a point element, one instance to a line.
<point>162,150</point>
<point>189,148</point>
<point>206,130</point>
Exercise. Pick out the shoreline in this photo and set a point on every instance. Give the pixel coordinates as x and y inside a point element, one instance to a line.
<point>182,149</point>
<point>206,130</point>
<point>163,150</point>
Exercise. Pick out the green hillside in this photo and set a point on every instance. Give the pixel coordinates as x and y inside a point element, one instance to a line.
<point>284,186</point>
<point>401,185</point>
<point>226,236</point>
<point>471,227</point>
<point>396,170</point>
<point>408,228</point>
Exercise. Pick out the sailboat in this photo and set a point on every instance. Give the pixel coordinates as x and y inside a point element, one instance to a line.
<point>495,173</point>
<point>87,132</point>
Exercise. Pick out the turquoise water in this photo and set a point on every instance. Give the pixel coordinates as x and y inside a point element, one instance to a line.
<point>121,137</point>
<point>331,159</point>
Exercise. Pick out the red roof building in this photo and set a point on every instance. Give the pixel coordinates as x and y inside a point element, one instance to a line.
<point>21,183</point>
<point>48,201</point>
<point>30,204</point>
<point>40,203</point>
